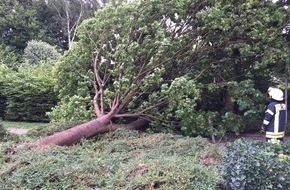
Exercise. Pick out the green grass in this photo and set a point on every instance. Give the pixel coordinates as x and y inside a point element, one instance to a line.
<point>27,125</point>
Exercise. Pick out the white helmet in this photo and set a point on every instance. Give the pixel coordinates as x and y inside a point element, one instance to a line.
<point>275,93</point>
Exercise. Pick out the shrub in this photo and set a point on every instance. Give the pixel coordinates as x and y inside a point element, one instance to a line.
<point>5,136</point>
<point>3,132</point>
<point>78,108</point>
<point>38,51</point>
<point>256,165</point>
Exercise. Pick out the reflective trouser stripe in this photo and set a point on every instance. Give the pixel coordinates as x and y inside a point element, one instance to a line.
<point>275,135</point>
<point>276,121</point>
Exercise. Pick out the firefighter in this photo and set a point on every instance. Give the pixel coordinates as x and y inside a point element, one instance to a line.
<point>275,117</point>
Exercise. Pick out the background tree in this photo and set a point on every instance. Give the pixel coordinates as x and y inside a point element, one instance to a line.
<point>4,71</point>
<point>50,25</point>
<point>70,13</point>
<point>248,50</point>
<point>54,22</point>
<point>18,24</point>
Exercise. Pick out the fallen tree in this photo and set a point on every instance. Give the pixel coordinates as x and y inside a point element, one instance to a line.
<point>86,130</point>
<point>142,61</point>
<point>131,56</point>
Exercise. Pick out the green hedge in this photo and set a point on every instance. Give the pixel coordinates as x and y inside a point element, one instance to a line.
<point>5,72</point>
<point>28,99</point>
<point>3,100</point>
<point>256,165</point>
<point>27,94</point>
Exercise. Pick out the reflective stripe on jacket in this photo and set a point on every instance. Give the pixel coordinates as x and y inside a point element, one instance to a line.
<point>274,120</point>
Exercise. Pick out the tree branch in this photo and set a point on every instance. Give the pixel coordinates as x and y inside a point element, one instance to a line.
<point>75,25</point>
<point>97,92</point>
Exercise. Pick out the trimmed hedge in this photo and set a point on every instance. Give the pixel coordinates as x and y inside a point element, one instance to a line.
<point>256,165</point>
<point>5,72</point>
<point>29,98</point>
<point>3,100</point>
<point>27,94</point>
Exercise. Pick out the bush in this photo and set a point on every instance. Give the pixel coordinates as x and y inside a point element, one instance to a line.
<point>38,51</point>
<point>256,165</point>
<point>5,136</point>
<point>2,100</point>
<point>3,132</point>
<point>78,108</point>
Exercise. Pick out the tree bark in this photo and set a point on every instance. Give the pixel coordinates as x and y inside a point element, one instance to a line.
<point>75,134</point>
<point>86,130</point>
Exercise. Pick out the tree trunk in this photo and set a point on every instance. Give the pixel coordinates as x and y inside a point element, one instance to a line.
<point>75,134</point>
<point>86,130</point>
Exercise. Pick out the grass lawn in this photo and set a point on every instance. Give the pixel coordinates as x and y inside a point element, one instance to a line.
<point>27,125</point>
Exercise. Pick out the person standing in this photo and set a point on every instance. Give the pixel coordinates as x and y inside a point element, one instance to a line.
<point>275,117</point>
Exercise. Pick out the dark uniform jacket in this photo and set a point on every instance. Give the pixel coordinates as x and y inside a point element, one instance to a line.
<point>275,120</point>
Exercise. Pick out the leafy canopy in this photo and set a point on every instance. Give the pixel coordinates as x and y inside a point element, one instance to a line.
<point>175,63</point>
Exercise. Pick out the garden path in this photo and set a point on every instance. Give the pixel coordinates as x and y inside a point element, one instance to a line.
<point>19,131</point>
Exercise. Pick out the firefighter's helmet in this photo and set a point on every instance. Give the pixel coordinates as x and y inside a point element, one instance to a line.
<point>275,93</point>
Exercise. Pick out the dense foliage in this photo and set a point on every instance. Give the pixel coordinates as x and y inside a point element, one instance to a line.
<point>53,21</point>
<point>38,51</point>
<point>247,47</point>
<point>28,93</point>
<point>216,57</point>
<point>120,160</point>
<point>196,67</point>
<point>256,165</point>
<point>3,132</point>
<point>4,72</point>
